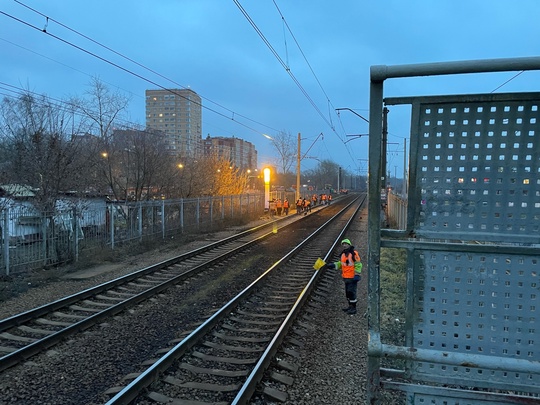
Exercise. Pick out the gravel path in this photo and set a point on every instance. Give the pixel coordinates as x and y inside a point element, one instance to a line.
<point>334,357</point>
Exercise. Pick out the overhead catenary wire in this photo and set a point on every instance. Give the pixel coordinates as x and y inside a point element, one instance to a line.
<point>116,65</point>
<point>287,68</point>
<point>15,93</point>
<point>280,60</point>
<point>233,115</point>
<point>305,58</point>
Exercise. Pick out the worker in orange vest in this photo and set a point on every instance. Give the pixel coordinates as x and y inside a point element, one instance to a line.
<point>279,206</point>
<point>351,268</point>
<point>286,207</point>
<point>323,199</point>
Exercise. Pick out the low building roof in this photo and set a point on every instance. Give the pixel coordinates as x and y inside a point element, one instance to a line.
<point>17,190</point>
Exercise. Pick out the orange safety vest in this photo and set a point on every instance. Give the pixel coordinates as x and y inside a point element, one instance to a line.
<point>286,204</point>
<point>279,205</point>
<point>347,264</point>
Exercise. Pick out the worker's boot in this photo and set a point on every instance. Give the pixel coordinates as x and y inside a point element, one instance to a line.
<point>352,309</point>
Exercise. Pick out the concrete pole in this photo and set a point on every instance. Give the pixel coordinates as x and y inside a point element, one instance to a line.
<point>298,170</point>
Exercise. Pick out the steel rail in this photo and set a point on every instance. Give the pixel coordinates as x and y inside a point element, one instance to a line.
<point>19,319</point>
<point>24,353</point>
<point>254,378</point>
<point>146,378</point>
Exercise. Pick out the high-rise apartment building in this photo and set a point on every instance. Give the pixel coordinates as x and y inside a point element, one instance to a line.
<point>240,153</point>
<point>178,114</point>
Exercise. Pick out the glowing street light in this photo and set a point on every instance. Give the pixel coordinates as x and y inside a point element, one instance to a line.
<point>266,174</point>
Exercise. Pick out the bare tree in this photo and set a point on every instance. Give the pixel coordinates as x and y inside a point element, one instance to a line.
<point>286,147</point>
<point>100,110</point>
<point>324,175</point>
<point>43,153</point>
<point>220,177</point>
<point>137,166</point>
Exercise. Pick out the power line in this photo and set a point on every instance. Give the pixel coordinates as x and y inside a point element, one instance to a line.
<point>288,70</point>
<point>16,93</point>
<point>508,81</point>
<point>304,56</point>
<point>276,55</point>
<point>44,30</point>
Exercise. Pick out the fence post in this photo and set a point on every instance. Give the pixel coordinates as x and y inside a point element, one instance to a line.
<point>163,219</point>
<point>182,215</point>
<point>140,221</point>
<point>43,233</point>
<point>75,235</point>
<point>211,209</point>
<point>111,210</point>
<point>5,238</point>
<point>222,207</point>
<point>197,212</point>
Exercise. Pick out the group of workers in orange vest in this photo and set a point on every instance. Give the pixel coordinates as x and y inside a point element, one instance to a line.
<point>303,205</point>
<point>278,207</point>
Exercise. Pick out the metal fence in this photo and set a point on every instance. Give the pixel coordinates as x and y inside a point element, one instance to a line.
<point>396,211</point>
<point>31,239</point>
<point>472,240</point>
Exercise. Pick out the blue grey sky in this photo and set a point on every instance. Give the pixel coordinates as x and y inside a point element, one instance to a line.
<point>211,47</point>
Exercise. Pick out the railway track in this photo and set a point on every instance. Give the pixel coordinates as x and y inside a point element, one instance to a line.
<point>222,360</point>
<point>27,334</point>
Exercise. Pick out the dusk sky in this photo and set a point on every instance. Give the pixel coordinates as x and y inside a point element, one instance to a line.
<point>265,66</point>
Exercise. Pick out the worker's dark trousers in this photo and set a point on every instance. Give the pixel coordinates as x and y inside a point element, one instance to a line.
<point>351,287</point>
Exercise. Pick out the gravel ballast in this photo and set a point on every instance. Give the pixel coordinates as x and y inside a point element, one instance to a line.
<point>332,362</point>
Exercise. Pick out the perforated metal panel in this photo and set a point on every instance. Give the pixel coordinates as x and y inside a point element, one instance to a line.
<point>477,303</point>
<point>477,167</point>
<point>474,259</point>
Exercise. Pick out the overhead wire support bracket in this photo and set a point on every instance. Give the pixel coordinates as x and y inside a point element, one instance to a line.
<point>354,112</point>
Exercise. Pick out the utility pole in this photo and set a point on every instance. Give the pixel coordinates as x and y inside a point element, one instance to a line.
<point>384,146</point>
<point>298,170</point>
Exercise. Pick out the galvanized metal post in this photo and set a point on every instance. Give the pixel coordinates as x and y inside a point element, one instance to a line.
<point>374,223</point>
<point>5,238</point>
<point>198,213</point>
<point>140,221</point>
<point>222,207</point>
<point>75,235</point>
<point>43,234</point>
<point>182,215</point>
<point>112,227</point>
<point>211,209</point>
<point>163,219</point>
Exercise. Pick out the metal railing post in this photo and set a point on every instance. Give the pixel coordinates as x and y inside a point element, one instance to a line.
<point>5,238</point>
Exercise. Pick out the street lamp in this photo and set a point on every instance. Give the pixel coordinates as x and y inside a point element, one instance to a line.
<point>266,174</point>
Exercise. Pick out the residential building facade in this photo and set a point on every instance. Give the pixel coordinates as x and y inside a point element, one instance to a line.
<point>240,153</point>
<point>178,114</point>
